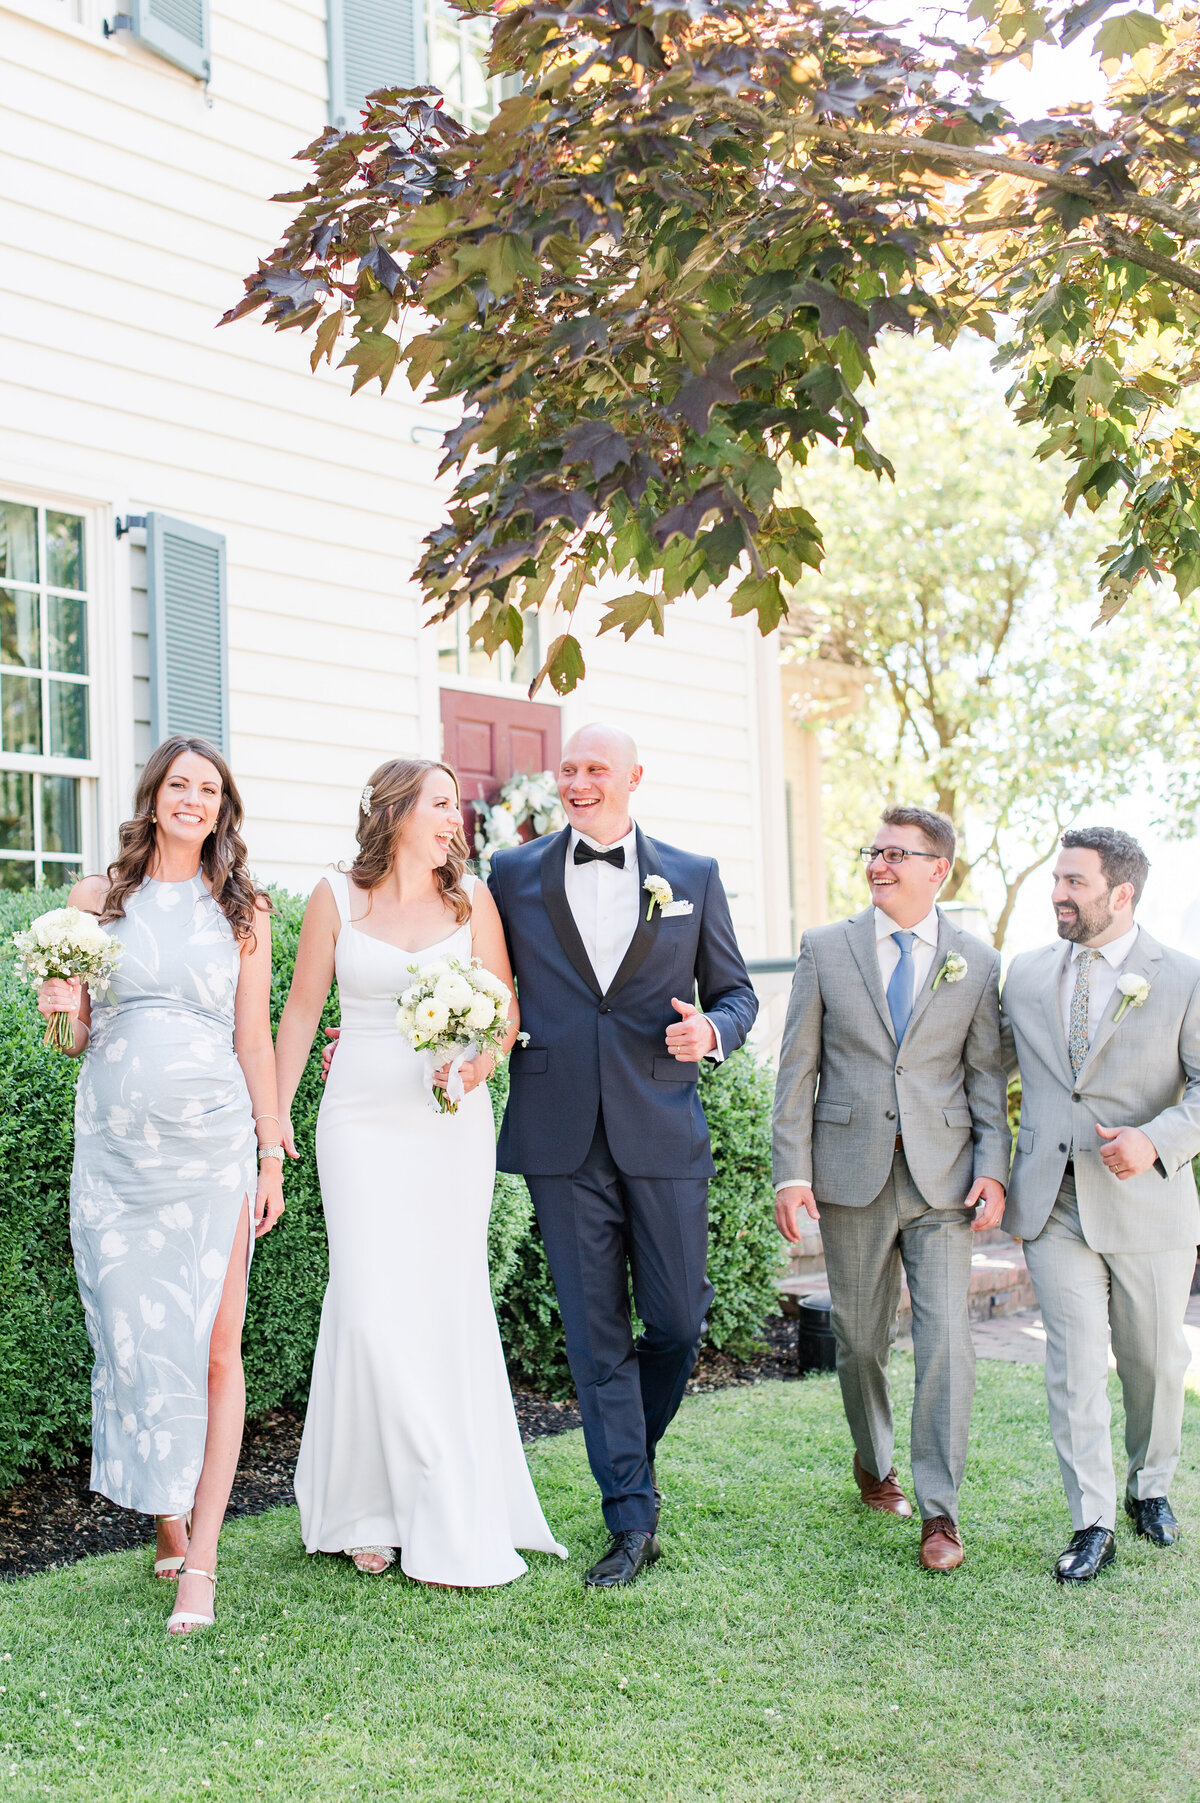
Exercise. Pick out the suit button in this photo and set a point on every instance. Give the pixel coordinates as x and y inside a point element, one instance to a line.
<point>889,1114</point>
<point>604,1008</point>
<point>1061,1147</point>
<point>899,1070</point>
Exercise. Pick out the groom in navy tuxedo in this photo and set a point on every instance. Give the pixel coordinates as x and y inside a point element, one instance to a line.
<point>604,1118</point>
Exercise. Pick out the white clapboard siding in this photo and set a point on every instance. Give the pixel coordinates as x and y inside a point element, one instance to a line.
<point>132,204</point>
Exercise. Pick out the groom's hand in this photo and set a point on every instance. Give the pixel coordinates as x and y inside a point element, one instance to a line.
<point>788,1203</point>
<point>1128,1152</point>
<point>332,1034</point>
<point>692,1037</point>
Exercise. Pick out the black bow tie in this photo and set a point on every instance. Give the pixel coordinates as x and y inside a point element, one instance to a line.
<point>584,854</point>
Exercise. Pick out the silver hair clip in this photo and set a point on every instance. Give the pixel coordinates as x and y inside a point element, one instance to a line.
<point>364,800</point>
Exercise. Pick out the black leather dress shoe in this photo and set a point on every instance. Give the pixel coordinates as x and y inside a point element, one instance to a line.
<point>625,1560</point>
<point>1153,1519</point>
<point>1091,1549</point>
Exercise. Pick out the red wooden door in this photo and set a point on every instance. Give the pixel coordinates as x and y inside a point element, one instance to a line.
<point>486,740</point>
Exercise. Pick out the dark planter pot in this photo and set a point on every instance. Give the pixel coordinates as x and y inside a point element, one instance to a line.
<point>815,1344</point>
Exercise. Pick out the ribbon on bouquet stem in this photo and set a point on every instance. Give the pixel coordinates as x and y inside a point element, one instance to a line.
<point>446,1101</point>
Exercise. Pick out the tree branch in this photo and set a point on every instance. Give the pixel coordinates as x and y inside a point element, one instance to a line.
<point>1143,206</point>
<point>1132,250</point>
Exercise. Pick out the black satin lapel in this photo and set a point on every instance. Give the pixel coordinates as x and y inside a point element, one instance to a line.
<point>646,931</point>
<point>554,897</point>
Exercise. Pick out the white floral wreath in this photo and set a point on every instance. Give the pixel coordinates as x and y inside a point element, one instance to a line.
<point>524,798</point>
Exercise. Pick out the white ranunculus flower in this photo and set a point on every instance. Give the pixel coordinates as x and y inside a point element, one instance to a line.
<point>482,1012</point>
<point>454,991</point>
<point>432,1016</point>
<point>1133,986</point>
<point>432,972</point>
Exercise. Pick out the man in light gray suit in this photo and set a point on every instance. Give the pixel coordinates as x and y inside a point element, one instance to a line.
<point>1106,1032</point>
<point>890,1113</point>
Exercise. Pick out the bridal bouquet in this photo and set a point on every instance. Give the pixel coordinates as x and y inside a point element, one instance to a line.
<point>453,1012</point>
<point>66,942</point>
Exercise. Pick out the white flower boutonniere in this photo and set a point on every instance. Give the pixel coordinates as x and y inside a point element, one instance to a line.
<point>659,890</point>
<point>953,970</point>
<point>1134,991</point>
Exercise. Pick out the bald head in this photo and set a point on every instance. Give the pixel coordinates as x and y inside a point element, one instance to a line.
<point>597,775</point>
<point>611,742</point>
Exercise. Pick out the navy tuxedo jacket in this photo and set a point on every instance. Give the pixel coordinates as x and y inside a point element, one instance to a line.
<point>589,1049</point>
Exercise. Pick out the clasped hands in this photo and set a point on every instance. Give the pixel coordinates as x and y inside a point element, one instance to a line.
<point>985,1191</point>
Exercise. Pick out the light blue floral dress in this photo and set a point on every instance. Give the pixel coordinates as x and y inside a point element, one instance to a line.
<point>164,1164</point>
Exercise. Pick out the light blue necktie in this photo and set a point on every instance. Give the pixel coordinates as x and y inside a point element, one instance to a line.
<point>900,989</point>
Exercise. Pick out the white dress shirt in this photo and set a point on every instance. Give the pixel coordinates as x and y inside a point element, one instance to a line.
<point>604,904</point>
<point>888,953</point>
<point>1102,982</point>
<point>924,947</point>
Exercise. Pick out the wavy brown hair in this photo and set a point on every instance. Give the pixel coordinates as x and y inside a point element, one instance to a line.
<point>395,789</point>
<point>222,857</point>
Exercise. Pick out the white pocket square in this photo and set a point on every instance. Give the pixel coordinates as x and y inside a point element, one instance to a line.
<point>676,907</point>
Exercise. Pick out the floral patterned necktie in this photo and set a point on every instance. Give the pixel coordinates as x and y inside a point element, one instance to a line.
<point>1078,1037</point>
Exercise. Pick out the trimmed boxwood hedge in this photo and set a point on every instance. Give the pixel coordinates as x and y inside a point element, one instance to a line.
<point>45,1360</point>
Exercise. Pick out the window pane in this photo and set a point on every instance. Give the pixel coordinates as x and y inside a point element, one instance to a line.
<point>16,810</point>
<point>447,644</point>
<point>68,633</point>
<point>19,628</point>
<point>20,713</point>
<point>55,875</point>
<point>64,550</point>
<point>68,720</point>
<point>528,661</point>
<point>60,813</point>
<point>18,542</point>
<point>15,873</point>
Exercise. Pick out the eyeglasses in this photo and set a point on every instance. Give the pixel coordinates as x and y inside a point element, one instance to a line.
<point>892,854</point>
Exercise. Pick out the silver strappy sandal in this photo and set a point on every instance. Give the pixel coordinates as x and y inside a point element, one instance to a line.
<point>358,1553</point>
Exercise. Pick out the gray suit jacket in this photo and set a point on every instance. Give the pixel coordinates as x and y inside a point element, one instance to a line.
<point>845,1090</point>
<point>1143,1073</point>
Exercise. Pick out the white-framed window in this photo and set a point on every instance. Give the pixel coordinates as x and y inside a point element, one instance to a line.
<point>458,658</point>
<point>46,758</point>
<point>458,49</point>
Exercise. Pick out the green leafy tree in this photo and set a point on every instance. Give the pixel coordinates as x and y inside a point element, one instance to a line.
<point>663,267</point>
<point>961,595</point>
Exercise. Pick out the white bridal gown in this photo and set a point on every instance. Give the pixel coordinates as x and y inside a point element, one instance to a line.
<point>410,1438</point>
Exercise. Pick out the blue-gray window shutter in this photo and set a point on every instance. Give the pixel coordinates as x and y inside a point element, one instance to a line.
<point>175,29</point>
<point>373,44</point>
<point>189,648</point>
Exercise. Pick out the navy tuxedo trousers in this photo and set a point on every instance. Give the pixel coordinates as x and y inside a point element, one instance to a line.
<point>600,1228</point>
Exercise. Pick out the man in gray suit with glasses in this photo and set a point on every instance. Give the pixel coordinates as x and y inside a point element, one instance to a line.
<point>1105,1028</point>
<point>890,1114</point>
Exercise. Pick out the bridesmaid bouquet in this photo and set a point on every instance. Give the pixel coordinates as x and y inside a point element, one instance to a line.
<point>453,1012</point>
<point>66,942</point>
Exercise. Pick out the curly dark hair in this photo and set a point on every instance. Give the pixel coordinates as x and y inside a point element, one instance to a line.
<point>222,858</point>
<point>395,789</point>
<point>1122,859</point>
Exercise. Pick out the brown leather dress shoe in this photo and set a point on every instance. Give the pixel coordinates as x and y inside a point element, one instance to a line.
<point>881,1492</point>
<point>941,1544</point>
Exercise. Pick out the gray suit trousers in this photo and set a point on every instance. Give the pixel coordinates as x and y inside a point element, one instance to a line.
<point>865,1249</point>
<point>1141,1296</point>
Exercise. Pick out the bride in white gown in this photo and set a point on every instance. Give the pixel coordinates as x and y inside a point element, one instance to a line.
<point>410,1439</point>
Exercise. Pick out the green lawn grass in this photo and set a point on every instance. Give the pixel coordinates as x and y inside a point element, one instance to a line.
<point>786,1647</point>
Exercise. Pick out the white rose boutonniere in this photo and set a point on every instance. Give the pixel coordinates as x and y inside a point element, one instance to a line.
<point>1134,991</point>
<point>659,890</point>
<point>953,970</point>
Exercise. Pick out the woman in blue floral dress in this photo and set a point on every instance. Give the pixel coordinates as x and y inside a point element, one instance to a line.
<point>177,1075</point>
